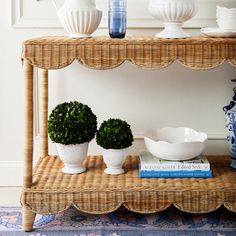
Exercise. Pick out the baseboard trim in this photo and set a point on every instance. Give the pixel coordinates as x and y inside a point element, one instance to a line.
<point>11,173</point>
<point>10,196</point>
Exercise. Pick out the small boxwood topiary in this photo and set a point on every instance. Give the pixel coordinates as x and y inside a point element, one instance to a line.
<point>72,123</point>
<point>114,134</point>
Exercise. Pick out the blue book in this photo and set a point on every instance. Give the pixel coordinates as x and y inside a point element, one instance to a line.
<point>175,174</point>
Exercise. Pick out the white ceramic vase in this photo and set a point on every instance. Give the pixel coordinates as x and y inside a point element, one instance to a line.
<point>173,13</point>
<point>114,160</point>
<point>80,18</point>
<point>72,156</point>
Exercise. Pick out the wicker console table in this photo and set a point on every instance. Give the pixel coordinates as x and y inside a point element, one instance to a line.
<point>47,190</point>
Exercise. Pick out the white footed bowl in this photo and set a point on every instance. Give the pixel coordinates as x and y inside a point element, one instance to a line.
<point>80,24</point>
<point>173,13</point>
<point>175,144</point>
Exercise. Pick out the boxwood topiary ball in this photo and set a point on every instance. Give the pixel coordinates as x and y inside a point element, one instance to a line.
<point>114,134</point>
<point>72,123</point>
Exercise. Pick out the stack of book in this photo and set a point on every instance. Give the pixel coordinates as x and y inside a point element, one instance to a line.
<point>154,167</point>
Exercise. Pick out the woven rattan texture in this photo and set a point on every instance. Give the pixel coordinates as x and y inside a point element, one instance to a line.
<point>145,52</point>
<point>96,192</point>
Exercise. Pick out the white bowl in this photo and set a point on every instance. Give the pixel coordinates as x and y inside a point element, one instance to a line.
<point>175,143</point>
<point>173,13</point>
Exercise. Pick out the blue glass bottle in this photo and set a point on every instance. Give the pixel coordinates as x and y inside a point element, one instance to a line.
<point>117,18</point>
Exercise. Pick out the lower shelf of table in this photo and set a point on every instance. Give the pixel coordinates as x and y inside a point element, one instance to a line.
<point>97,193</point>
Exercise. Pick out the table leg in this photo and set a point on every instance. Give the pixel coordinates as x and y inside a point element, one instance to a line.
<point>43,113</point>
<point>28,128</point>
<point>28,216</point>
<point>28,219</point>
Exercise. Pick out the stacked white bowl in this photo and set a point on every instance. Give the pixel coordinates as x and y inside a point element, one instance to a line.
<point>226,18</point>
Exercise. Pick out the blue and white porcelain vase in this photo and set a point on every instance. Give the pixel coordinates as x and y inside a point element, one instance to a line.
<point>230,112</point>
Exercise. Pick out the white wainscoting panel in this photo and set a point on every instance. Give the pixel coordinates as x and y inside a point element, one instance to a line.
<point>42,14</point>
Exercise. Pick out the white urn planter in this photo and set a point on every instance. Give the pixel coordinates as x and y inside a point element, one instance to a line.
<point>73,156</point>
<point>173,13</point>
<point>114,160</point>
<point>80,18</point>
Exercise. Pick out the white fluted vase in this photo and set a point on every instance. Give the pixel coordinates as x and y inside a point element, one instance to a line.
<point>80,24</point>
<point>80,18</point>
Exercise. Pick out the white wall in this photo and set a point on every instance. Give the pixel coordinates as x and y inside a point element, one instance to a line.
<point>176,96</point>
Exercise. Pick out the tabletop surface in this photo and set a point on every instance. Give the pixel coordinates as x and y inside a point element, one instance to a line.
<point>145,52</point>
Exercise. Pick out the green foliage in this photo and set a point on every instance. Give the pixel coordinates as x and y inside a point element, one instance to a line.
<point>114,134</point>
<point>72,123</point>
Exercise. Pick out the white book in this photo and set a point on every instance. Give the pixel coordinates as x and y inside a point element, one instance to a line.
<point>148,162</point>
